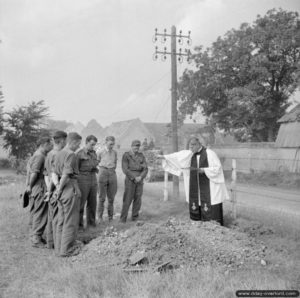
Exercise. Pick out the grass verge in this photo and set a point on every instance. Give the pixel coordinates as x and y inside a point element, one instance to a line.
<point>31,272</point>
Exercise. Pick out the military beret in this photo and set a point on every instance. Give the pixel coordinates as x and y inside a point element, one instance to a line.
<point>60,135</point>
<point>45,138</point>
<point>74,136</point>
<point>110,138</point>
<point>136,143</point>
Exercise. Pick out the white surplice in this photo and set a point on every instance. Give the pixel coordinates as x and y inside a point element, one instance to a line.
<point>179,163</point>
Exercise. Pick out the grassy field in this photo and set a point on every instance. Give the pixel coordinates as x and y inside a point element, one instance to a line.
<point>32,272</point>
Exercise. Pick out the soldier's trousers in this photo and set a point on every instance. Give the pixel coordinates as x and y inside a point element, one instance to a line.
<point>38,210</point>
<point>88,188</point>
<point>107,187</point>
<point>68,219</point>
<point>52,222</point>
<point>132,194</point>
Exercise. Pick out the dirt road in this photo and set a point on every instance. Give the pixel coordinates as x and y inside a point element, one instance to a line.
<point>270,198</point>
<point>256,196</point>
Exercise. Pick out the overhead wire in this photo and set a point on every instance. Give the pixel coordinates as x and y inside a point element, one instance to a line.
<point>162,107</point>
<point>121,108</point>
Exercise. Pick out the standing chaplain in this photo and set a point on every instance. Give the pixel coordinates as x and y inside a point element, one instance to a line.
<point>135,168</point>
<point>204,180</point>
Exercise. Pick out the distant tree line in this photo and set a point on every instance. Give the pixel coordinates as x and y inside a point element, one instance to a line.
<point>21,127</point>
<point>1,112</point>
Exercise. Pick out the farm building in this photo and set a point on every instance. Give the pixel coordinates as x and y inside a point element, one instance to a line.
<point>126,131</point>
<point>160,133</point>
<point>289,131</point>
<point>92,128</point>
<point>163,135</point>
<point>77,127</point>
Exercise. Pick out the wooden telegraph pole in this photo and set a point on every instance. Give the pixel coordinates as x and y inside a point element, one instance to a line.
<point>174,56</point>
<point>174,115</point>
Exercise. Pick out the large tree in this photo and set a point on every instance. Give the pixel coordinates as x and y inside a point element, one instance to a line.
<point>1,112</point>
<point>23,126</point>
<point>243,81</point>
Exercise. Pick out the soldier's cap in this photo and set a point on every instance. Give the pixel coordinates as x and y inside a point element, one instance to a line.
<point>60,135</point>
<point>135,143</point>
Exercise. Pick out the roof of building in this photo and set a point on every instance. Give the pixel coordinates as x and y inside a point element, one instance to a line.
<point>77,127</point>
<point>288,135</point>
<point>93,128</point>
<point>161,130</point>
<point>118,129</point>
<point>292,116</point>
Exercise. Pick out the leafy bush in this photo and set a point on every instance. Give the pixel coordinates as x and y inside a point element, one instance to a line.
<point>19,165</point>
<point>155,172</point>
<point>155,175</point>
<point>4,163</point>
<point>23,127</point>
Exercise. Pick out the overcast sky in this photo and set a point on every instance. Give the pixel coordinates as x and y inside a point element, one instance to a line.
<point>93,59</point>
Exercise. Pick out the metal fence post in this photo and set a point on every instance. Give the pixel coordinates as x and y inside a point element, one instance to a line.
<point>233,188</point>
<point>166,177</point>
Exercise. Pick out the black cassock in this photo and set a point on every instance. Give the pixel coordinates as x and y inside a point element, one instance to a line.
<point>206,211</point>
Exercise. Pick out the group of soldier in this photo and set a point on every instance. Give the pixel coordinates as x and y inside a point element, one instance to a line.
<point>63,180</point>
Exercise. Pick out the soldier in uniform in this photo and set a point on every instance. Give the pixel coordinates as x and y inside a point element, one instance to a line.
<point>59,138</point>
<point>87,181</point>
<point>36,187</point>
<point>135,168</point>
<point>68,196</point>
<point>107,178</point>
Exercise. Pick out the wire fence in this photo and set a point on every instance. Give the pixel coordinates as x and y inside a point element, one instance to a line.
<point>267,198</point>
<point>263,186</point>
<point>254,164</point>
<point>266,195</point>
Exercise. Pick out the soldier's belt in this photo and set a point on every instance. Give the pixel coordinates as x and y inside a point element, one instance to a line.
<point>106,168</point>
<point>87,173</point>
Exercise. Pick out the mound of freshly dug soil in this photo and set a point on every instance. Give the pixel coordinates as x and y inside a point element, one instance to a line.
<point>182,243</point>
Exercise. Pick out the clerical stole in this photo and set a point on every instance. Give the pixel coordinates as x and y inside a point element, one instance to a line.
<point>200,192</point>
